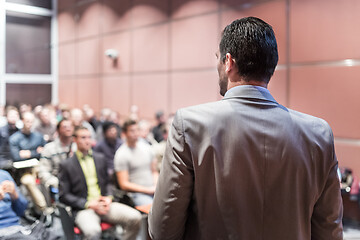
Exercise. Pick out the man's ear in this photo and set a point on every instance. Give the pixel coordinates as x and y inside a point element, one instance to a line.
<point>229,63</point>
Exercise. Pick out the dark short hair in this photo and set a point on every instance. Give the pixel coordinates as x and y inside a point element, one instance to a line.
<point>77,129</point>
<point>107,125</point>
<point>127,124</point>
<point>252,43</point>
<point>60,122</point>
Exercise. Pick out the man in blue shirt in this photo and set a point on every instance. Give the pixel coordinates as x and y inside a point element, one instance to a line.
<point>26,144</point>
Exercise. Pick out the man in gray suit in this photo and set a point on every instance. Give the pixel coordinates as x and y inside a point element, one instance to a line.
<point>246,167</point>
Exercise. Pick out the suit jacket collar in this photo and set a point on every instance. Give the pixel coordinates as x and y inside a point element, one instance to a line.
<point>249,91</point>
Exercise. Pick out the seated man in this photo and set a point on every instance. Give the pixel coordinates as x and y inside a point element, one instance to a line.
<point>12,116</point>
<point>46,125</point>
<point>56,152</point>
<point>109,144</point>
<point>12,206</point>
<point>135,166</point>
<point>27,144</point>
<point>84,186</point>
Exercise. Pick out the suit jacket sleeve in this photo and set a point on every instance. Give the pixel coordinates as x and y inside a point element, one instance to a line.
<point>65,194</point>
<point>326,220</point>
<point>174,189</point>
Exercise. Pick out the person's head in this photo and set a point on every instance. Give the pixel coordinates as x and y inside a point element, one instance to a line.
<point>160,117</point>
<point>44,116</point>
<point>65,128</point>
<point>89,113</point>
<point>144,128</point>
<point>37,110</point>
<point>114,117</point>
<point>65,111</point>
<point>110,131</point>
<point>12,115</point>
<point>24,107</point>
<point>82,138</point>
<point>28,120</point>
<point>131,131</point>
<point>249,44</point>
<point>164,131</point>
<point>76,116</point>
<point>105,114</point>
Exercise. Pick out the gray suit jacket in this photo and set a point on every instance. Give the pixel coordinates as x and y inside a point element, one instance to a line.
<point>247,168</point>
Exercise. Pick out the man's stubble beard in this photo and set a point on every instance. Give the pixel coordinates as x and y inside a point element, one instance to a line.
<point>223,82</point>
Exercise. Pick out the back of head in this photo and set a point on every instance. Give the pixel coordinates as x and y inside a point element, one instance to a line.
<point>252,43</point>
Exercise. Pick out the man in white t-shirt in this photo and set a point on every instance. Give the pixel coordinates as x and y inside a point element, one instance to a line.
<point>135,166</point>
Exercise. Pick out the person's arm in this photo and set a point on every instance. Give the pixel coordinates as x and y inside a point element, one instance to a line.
<point>326,220</point>
<point>126,185</point>
<point>18,201</point>
<point>154,170</point>
<point>45,168</point>
<point>35,153</point>
<point>174,188</point>
<point>14,148</point>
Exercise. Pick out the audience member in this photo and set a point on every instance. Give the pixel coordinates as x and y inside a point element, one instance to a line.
<point>107,115</point>
<point>109,145</point>
<point>77,118</point>
<point>145,134</point>
<point>63,112</point>
<point>45,125</point>
<point>115,118</point>
<point>84,186</point>
<point>2,116</point>
<point>56,152</point>
<point>159,149</point>
<point>12,206</point>
<point>23,108</point>
<point>135,166</point>
<point>160,119</point>
<point>90,117</point>
<point>134,113</point>
<point>26,144</point>
<point>12,116</point>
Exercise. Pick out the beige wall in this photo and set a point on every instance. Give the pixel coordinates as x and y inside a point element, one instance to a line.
<point>167,56</point>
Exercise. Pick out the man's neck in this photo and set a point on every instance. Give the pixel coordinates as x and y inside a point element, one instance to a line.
<point>84,152</point>
<point>243,82</point>
<point>131,144</point>
<point>65,141</point>
<point>26,131</point>
<point>110,141</point>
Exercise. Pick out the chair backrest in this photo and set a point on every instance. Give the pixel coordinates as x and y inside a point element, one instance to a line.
<point>67,222</point>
